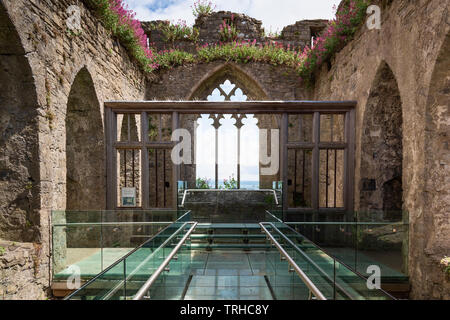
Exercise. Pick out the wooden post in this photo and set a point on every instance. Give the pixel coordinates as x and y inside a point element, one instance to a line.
<point>111,167</point>
<point>316,165</point>
<point>239,158</point>
<point>349,163</point>
<point>175,168</point>
<point>284,158</point>
<point>145,174</point>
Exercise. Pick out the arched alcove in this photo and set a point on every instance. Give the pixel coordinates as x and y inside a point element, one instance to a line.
<point>19,157</point>
<point>85,150</point>
<point>382,150</point>
<point>437,186</point>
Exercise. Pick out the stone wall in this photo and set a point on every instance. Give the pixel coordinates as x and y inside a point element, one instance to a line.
<point>39,95</point>
<point>295,36</point>
<point>46,59</point>
<point>230,206</point>
<point>258,81</point>
<point>21,275</point>
<point>413,37</point>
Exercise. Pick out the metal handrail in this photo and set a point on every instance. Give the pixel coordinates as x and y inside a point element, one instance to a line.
<point>233,190</point>
<point>313,289</point>
<point>328,253</point>
<point>112,224</point>
<point>125,257</point>
<point>120,284</point>
<point>146,287</point>
<point>310,260</point>
<point>347,223</point>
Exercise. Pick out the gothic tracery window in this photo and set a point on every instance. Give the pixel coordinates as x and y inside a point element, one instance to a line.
<point>222,154</point>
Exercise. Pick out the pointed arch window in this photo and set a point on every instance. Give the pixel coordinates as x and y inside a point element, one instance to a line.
<point>223,152</point>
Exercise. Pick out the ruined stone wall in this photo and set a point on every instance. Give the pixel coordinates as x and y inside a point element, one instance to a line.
<point>21,275</point>
<point>296,36</point>
<point>410,42</point>
<point>49,59</point>
<point>258,80</point>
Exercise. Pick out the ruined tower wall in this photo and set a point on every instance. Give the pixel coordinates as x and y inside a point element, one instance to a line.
<point>296,36</point>
<point>410,40</point>
<point>54,57</point>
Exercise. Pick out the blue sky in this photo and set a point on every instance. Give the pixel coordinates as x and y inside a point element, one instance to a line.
<point>274,14</point>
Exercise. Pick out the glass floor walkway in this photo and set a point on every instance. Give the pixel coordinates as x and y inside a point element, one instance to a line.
<point>170,267</point>
<point>228,275</point>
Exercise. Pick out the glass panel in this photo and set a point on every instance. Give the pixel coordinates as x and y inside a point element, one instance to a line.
<point>300,128</point>
<point>159,127</point>
<point>249,158</point>
<point>118,133</point>
<point>77,236</point>
<point>129,178</point>
<point>166,127</point>
<point>205,145</point>
<point>355,287</point>
<point>88,242</point>
<point>130,127</point>
<point>382,244</point>
<point>108,286</point>
<point>325,127</point>
<point>331,179</point>
<point>338,128</point>
<point>332,128</point>
<point>160,176</point>
<point>227,153</point>
<point>322,268</point>
<point>299,178</point>
<point>127,276</point>
<point>153,127</point>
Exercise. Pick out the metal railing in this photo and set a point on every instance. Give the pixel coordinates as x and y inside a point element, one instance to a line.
<point>143,293</point>
<point>143,263</point>
<point>311,286</point>
<point>309,260</point>
<point>288,225</point>
<point>159,234</point>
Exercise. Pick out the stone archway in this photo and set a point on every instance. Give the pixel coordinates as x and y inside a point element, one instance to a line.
<point>85,149</point>
<point>437,163</point>
<point>241,87</point>
<point>233,73</point>
<point>382,150</point>
<point>19,157</point>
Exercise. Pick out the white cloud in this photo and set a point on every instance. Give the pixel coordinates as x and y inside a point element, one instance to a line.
<point>274,14</point>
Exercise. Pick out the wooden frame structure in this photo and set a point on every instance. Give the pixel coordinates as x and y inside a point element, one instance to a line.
<point>283,108</point>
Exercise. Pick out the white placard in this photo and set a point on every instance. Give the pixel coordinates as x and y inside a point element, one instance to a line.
<point>128,197</point>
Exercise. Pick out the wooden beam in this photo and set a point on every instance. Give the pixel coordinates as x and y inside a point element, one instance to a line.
<point>231,107</point>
